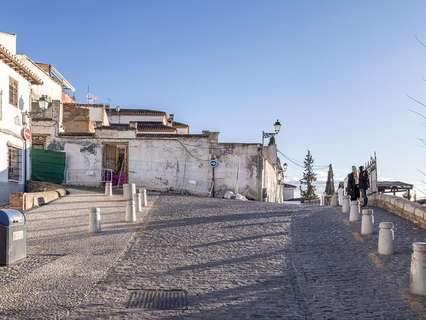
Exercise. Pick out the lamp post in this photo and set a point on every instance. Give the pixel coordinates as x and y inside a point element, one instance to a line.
<point>277,128</point>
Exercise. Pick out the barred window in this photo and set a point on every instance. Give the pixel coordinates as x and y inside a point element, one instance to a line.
<point>13,92</point>
<point>15,164</point>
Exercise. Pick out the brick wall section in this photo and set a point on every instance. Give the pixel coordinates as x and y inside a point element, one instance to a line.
<point>404,208</point>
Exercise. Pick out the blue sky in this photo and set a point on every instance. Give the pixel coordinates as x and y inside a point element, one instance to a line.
<point>336,73</point>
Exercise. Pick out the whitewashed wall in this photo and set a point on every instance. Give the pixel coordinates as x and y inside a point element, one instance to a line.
<point>11,128</point>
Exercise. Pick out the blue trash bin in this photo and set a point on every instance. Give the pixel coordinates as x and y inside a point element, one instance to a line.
<point>13,236</point>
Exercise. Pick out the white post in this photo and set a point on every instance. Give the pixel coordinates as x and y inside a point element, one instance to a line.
<point>95,220</point>
<point>139,201</point>
<point>417,272</point>
<point>126,193</point>
<point>340,196</point>
<point>108,189</point>
<point>132,188</point>
<point>322,199</point>
<point>345,205</point>
<point>144,197</point>
<point>131,209</point>
<point>367,221</point>
<point>386,237</point>
<point>354,212</point>
<point>333,201</point>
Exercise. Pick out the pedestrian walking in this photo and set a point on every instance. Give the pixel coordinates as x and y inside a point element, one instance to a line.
<point>364,184</point>
<point>352,188</point>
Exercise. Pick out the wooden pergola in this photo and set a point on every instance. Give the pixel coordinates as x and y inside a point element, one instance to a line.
<point>394,187</point>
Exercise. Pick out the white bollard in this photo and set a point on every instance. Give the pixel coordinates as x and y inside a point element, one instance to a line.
<point>95,220</point>
<point>139,201</point>
<point>354,212</point>
<point>386,237</point>
<point>333,201</point>
<point>132,189</point>
<point>126,193</point>
<point>144,197</point>
<point>345,204</point>
<point>367,221</point>
<point>340,196</point>
<point>108,189</point>
<point>417,271</point>
<point>131,210</point>
<point>322,199</point>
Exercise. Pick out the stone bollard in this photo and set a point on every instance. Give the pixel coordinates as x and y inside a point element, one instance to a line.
<point>108,189</point>
<point>131,209</point>
<point>132,189</point>
<point>126,193</point>
<point>139,201</point>
<point>144,197</point>
<point>367,221</point>
<point>333,201</point>
<point>345,204</point>
<point>95,220</point>
<point>417,271</point>
<point>322,195</point>
<point>340,196</point>
<point>386,237</point>
<point>354,212</point>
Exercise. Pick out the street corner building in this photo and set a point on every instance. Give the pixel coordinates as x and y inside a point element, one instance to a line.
<point>16,81</point>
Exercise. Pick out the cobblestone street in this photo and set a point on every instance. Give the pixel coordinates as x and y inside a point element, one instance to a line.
<point>251,260</point>
<point>235,260</point>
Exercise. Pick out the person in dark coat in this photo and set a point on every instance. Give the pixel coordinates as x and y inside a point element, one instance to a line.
<point>364,184</point>
<point>352,188</point>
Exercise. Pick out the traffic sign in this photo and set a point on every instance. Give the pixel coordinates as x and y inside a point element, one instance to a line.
<point>26,134</point>
<point>213,163</point>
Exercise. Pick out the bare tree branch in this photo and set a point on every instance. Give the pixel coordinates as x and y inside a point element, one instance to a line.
<point>417,101</point>
<point>420,41</point>
<point>418,113</point>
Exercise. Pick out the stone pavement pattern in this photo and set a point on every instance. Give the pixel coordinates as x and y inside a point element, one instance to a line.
<point>64,261</point>
<point>251,260</point>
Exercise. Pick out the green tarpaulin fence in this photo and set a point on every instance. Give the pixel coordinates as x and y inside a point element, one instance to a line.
<point>47,165</point>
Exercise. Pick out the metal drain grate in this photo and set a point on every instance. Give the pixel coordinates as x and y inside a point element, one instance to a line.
<point>156,299</point>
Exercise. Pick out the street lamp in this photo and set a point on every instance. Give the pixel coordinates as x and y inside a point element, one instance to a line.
<point>44,101</point>
<point>277,128</point>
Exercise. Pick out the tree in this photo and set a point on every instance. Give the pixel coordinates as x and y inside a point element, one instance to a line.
<point>309,177</point>
<point>329,187</point>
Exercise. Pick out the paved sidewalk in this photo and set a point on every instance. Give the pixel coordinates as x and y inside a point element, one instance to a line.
<point>64,261</point>
<point>250,260</point>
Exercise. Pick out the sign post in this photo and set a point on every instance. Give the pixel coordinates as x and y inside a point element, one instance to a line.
<point>213,164</point>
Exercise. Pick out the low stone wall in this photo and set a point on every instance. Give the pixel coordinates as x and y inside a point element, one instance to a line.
<point>45,193</point>
<point>404,208</point>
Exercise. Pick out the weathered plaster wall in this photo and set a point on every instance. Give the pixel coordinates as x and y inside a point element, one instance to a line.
<point>83,160</point>
<point>239,169</point>
<point>171,164</point>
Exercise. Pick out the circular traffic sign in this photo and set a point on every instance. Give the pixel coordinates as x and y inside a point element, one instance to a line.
<point>26,133</point>
<point>213,163</point>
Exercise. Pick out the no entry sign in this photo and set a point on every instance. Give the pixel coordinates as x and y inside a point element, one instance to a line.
<point>26,134</point>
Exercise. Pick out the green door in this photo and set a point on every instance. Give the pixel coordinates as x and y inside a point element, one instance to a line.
<point>47,165</point>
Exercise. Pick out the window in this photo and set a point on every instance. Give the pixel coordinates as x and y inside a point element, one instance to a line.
<point>15,164</point>
<point>13,92</point>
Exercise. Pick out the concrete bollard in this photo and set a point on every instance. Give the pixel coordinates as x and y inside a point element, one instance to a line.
<point>95,220</point>
<point>108,189</point>
<point>132,189</point>
<point>417,271</point>
<point>340,196</point>
<point>131,210</point>
<point>345,204</point>
<point>367,221</point>
<point>139,201</point>
<point>144,197</point>
<point>126,193</point>
<point>386,237</point>
<point>354,211</point>
<point>333,201</point>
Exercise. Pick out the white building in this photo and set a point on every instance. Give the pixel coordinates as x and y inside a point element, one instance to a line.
<point>15,99</point>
